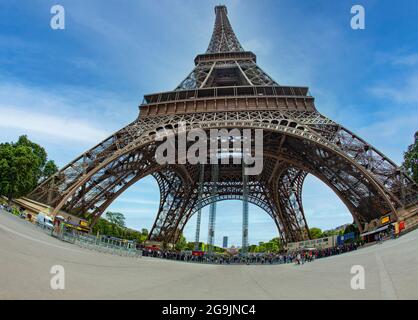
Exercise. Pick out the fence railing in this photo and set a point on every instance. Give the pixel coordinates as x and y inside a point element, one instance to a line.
<point>102,243</point>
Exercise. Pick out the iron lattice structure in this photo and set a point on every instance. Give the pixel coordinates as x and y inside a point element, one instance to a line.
<point>227,89</point>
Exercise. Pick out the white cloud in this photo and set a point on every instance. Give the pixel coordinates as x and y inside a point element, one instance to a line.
<point>54,126</point>
<point>397,58</point>
<point>65,113</point>
<point>405,92</point>
<point>396,124</point>
<point>136,211</point>
<point>406,60</point>
<point>138,201</point>
<point>258,46</point>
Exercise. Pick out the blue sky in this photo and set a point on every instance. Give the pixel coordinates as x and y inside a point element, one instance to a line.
<point>68,89</point>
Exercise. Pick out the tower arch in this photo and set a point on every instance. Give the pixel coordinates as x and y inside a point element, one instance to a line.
<point>227,89</point>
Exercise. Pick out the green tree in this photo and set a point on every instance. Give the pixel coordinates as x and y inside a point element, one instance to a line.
<point>274,245</point>
<point>181,243</point>
<point>410,163</point>
<point>22,165</point>
<point>144,232</point>
<point>316,233</point>
<point>38,151</point>
<point>351,228</point>
<point>218,249</point>
<point>330,233</point>
<point>49,169</point>
<point>142,238</point>
<point>115,217</point>
<point>190,246</point>
<point>252,248</point>
<point>262,247</point>
<point>105,227</point>
<point>18,166</point>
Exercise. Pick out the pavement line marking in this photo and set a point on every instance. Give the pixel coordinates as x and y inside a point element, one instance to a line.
<point>34,239</point>
<point>387,289</point>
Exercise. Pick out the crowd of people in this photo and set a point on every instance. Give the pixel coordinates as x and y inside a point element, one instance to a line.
<point>298,257</point>
<point>5,207</point>
<point>12,209</point>
<point>308,256</point>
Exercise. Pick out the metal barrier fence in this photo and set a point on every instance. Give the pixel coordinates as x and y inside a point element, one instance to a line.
<point>102,244</point>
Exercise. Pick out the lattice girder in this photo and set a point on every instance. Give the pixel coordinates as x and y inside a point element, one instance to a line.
<point>228,90</point>
<point>287,195</point>
<point>74,189</point>
<point>223,37</point>
<point>175,198</point>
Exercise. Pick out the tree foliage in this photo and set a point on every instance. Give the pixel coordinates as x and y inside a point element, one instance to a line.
<point>329,233</point>
<point>410,163</point>
<point>274,245</point>
<point>315,233</point>
<point>22,166</point>
<point>352,228</point>
<point>49,169</point>
<point>105,227</point>
<point>181,243</point>
<point>116,218</point>
<point>18,166</point>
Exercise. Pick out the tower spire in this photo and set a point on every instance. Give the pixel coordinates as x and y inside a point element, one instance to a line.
<point>225,63</point>
<point>223,37</point>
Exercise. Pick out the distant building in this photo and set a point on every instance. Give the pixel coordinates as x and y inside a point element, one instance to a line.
<point>232,250</point>
<point>322,243</point>
<point>225,242</point>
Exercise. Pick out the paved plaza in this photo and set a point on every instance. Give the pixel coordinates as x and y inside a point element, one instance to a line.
<point>27,255</point>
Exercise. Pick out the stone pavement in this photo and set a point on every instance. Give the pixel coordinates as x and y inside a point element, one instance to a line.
<point>27,255</point>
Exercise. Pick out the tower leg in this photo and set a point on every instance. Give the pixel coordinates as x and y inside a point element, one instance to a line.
<point>212,209</point>
<point>199,213</point>
<point>287,194</point>
<point>175,198</point>
<point>244,248</point>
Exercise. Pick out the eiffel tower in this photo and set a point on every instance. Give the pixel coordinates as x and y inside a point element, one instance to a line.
<point>227,89</point>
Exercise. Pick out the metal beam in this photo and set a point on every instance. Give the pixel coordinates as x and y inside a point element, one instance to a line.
<point>199,213</point>
<point>244,248</point>
<point>212,209</point>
